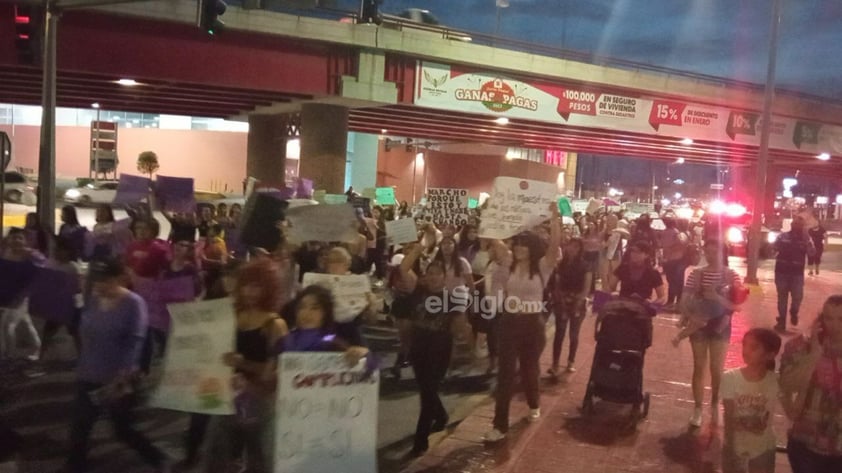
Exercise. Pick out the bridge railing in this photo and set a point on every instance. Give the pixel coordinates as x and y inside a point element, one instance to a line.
<point>485,39</point>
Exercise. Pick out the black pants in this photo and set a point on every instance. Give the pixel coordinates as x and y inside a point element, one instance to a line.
<point>86,413</point>
<point>569,311</point>
<point>196,435</point>
<point>674,272</point>
<point>430,357</point>
<point>522,339</point>
<point>804,460</point>
<point>154,337</point>
<point>376,257</point>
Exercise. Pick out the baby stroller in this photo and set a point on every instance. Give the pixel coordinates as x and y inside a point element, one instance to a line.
<point>623,333</point>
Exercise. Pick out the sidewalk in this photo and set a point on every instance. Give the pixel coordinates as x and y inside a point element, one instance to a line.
<point>563,440</point>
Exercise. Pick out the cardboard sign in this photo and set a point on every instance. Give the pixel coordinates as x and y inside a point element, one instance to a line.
<point>175,194</point>
<point>350,292</point>
<point>448,206</point>
<point>326,415</point>
<point>385,196</point>
<point>194,379</point>
<point>516,205</point>
<point>401,231</point>
<point>132,190</point>
<point>322,223</point>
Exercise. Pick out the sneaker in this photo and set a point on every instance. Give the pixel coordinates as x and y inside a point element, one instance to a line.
<point>696,418</point>
<point>534,415</point>
<point>780,327</point>
<point>793,319</point>
<point>493,436</point>
<point>810,273</point>
<point>570,368</point>
<point>553,372</point>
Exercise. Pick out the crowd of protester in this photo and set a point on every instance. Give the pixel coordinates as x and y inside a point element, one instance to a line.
<point>553,271</point>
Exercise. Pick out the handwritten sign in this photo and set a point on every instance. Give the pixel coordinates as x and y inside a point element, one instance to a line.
<point>322,223</point>
<point>327,415</point>
<point>335,199</point>
<point>350,293</point>
<point>319,195</point>
<point>401,231</point>
<point>448,206</point>
<point>516,205</point>
<point>132,189</point>
<point>385,196</point>
<point>194,378</point>
<point>175,193</point>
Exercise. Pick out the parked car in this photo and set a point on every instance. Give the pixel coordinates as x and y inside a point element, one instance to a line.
<point>102,192</point>
<point>18,187</point>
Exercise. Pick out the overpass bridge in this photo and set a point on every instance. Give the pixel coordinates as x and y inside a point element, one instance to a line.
<point>421,82</point>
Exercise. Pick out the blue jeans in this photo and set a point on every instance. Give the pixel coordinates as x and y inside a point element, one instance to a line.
<point>789,284</point>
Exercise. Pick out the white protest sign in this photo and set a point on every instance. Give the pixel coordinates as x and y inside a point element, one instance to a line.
<point>516,205</point>
<point>643,208</point>
<point>593,206</point>
<point>350,292</point>
<point>194,378</point>
<point>326,415</point>
<point>401,231</point>
<point>322,223</point>
<point>447,206</point>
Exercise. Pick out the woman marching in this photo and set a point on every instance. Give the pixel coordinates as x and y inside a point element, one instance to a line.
<point>523,274</point>
<point>431,342</point>
<point>569,286</point>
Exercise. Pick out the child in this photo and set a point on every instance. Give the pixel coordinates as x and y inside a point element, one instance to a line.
<point>748,395</point>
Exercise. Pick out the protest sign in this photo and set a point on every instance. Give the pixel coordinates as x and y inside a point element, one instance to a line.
<point>319,196</point>
<point>326,415</point>
<point>362,203</point>
<point>175,194</point>
<point>335,199</point>
<point>52,295</point>
<point>322,223</point>
<point>448,206</point>
<point>473,203</point>
<point>194,378</point>
<point>350,292</point>
<point>593,206</point>
<point>304,188</point>
<point>370,193</point>
<point>516,205</point>
<point>564,207</point>
<point>401,231</point>
<point>385,196</point>
<point>132,190</point>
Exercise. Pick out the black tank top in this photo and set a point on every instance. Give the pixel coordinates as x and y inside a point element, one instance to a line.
<point>254,344</point>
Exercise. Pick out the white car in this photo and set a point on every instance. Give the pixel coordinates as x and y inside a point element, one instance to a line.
<point>102,192</point>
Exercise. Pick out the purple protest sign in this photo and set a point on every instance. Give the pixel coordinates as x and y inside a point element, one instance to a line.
<point>52,295</point>
<point>132,190</point>
<point>175,193</point>
<point>304,189</point>
<point>149,290</point>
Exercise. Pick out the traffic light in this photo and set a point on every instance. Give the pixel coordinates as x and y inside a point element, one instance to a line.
<point>211,10</point>
<point>28,21</point>
<point>370,12</point>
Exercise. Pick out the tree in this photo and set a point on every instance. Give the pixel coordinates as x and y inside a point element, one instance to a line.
<point>147,163</point>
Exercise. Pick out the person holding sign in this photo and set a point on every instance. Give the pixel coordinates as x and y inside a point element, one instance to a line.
<point>259,329</point>
<point>523,274</point>
<point>431,342</point>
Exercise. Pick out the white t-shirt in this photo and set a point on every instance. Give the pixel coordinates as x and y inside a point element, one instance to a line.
<point>753,405</point>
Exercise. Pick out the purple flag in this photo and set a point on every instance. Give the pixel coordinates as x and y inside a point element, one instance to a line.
<point>304,188</point>
<point>132,190</point>
<point>175,193</point>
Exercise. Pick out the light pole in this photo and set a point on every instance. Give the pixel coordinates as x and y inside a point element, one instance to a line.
<point>96,143</point>
<point>763,159</point>
<point>501,4</point>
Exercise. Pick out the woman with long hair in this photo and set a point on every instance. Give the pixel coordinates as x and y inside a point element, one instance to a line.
<point>707,289</point>
<point>459,283</point>
<point>259,330</point>
<point>568,287</point>
<point>637,275</point>
<point>523,274</point>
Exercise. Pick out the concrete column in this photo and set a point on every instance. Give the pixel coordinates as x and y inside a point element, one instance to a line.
<point>363,149</point>
<point>570,172</point>
<point>267,148</point>
<point>324,141</point>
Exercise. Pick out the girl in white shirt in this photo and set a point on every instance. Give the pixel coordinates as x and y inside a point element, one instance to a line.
<point>748,395</point>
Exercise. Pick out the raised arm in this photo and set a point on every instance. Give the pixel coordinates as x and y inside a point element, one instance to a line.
<point>554,247</point>
<point>408,275</point>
